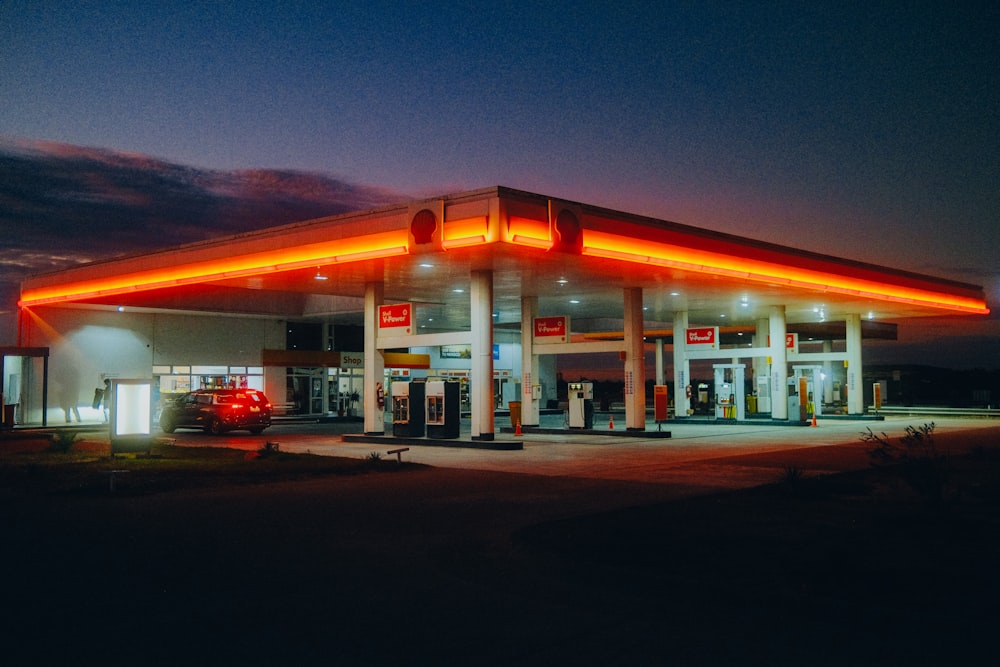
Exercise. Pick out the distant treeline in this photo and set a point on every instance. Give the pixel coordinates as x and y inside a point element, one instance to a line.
<point>932,386</point>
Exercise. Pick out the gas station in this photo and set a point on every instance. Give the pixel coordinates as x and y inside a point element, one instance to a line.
<point>455,307</point>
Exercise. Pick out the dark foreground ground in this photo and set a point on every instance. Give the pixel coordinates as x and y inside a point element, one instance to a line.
<point>424,566</point>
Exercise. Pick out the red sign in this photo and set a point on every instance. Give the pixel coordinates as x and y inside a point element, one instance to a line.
<point>395,316</point>
<point>551,327</point>
<point>703,336</point>
<point>792,341</point>
<point>660,402</point>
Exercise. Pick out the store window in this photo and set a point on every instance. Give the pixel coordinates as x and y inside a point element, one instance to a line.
<point>176,380</point>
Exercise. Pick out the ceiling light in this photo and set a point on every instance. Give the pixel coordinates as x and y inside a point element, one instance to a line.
<point>574,301</point>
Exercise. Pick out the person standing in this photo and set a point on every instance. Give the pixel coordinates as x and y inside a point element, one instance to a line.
<point>106,399</point>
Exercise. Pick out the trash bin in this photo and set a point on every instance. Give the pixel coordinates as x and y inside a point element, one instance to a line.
<point>8,415</point>
<point>515,413</point>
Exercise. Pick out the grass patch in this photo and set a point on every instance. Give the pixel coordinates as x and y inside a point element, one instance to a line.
<point>168,467</point>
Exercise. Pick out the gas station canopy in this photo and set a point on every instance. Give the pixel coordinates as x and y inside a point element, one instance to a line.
<point>575,258</point>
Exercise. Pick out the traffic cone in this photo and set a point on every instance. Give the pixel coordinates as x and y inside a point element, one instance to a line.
<point>517,428</point>
<point>814,419</point>
<point>611,422</point>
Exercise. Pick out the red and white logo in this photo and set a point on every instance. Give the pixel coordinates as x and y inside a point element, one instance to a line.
<point>703,336</point>
<point>552,329</point>
<point>396,316</point>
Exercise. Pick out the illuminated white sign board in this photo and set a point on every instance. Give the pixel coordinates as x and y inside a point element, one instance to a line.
<point>131,415</point>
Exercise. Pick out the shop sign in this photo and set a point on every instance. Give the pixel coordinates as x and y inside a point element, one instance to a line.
<point>398,316</point>
<point>551,329</point>
<point>352,360</point>
<point>707,336</point>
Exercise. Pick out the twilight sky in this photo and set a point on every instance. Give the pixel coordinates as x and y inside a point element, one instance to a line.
<point>859,129</point>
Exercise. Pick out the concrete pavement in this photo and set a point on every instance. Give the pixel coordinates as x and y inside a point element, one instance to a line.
<point>711,457</point>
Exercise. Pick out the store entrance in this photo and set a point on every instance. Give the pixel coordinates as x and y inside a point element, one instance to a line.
<point>304,393</point>
<point>346,391</point>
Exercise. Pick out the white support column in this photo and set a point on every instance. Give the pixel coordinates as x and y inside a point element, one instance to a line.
<point>828,372</point>
<point>481,376</point>
<point>530,407</point>
<point>762,330</point>
<point>635,362</point>
<point>855,391</point>
<point>779,363</point>
<point>374,362</point>
<point>682,367</point>
<point>761,367</point>
<point>660,371</point>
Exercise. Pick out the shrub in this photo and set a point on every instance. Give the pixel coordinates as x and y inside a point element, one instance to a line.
<point>62,441</point>
<point>924,467</point>
<point>791,480</point>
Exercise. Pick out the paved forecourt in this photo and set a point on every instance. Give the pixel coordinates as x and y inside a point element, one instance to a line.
<point>708,456</point>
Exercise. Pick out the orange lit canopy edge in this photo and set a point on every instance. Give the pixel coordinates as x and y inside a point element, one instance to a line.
<point>372,246</point>
<point>611,246</point>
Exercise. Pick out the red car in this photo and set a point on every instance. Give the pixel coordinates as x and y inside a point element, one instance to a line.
<point>218,410</point>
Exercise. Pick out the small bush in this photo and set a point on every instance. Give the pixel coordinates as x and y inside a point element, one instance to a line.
<point>791,480</point>
<point>793,475</point>
<point>374,457</point>
<point>62,441</point>
<point>924,467</point>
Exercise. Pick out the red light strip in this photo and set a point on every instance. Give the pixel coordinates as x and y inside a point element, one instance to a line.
<point>463,242</point>
<point>465,232</point>
<point>598,244</point>
<point>531,241</point>
<point>528,232</point>
<point>374,246</point>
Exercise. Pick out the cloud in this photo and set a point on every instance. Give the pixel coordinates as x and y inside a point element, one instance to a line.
<point>61,205</point>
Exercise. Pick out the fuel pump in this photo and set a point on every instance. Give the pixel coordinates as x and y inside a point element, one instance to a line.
<point>442,409</point>
<point>815,378</point>
<point>408,409</point>
<point>581,404</point>
<point>729,392</point>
